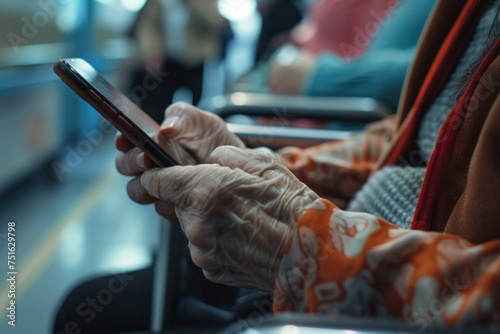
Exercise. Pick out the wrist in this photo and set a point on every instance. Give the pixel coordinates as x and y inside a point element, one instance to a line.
<point>300,259</point>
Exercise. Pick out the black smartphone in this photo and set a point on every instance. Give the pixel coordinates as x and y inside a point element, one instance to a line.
<point>120,111</point>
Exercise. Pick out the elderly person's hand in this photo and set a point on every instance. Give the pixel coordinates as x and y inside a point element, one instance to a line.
<point>237,212</point>
<point>199,133</point>
<point>289,78</point>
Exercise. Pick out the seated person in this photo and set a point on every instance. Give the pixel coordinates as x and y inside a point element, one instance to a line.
<point>172,41</point>
<point>359,48</point>
<point>419,239</point>
<point>278,17</point>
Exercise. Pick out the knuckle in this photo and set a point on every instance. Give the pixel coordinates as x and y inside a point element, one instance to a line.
<point>165,209</point>
<point>273,159</point>
<point>199,236</point>
<point>119,163</point>
<point>135,191</point>
<point>219,153</point>
<point>197,258</point>
<point>192,235</point>
<point>127,162</point>
<point>260,160</point>
<point>156,188</point>
<point>220,276</point>
<point>211,276</point>
<point>178,110</point>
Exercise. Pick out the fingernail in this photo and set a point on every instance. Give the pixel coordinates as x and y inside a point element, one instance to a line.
<point>140,160</point>
<point>172,122</point>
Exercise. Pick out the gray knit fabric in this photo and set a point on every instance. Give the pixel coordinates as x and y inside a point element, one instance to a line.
<point>435,117</point>
<point>392,192</point>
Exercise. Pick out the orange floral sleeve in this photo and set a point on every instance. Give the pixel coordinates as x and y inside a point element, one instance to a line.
<point>360,265</point>
<point>337,170</point>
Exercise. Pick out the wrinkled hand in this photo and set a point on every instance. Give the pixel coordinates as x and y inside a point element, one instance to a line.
<point>197,131</point>
<point>237,212</point>
<point>290,79</point>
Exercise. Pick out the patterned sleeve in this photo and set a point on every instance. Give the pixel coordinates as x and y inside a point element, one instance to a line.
<point>360,265</point>
<point>337,170</point>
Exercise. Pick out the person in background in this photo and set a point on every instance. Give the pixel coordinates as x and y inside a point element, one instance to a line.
<point>415,235</point>
<point>346,48</point>
<point>173,39</point>
<point>278,18</point>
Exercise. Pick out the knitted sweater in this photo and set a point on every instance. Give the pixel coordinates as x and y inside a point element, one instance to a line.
<point>358,264</point>
<point>392,192</point>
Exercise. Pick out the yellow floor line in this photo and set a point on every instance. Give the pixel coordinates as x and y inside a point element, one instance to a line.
<point>43,253</point>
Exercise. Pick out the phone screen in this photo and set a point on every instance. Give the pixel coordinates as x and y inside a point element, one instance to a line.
<point>124,105</point>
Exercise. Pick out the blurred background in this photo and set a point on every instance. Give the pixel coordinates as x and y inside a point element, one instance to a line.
<point>73,219</point>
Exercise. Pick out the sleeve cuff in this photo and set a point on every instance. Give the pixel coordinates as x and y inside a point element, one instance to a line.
<point>303,251</point>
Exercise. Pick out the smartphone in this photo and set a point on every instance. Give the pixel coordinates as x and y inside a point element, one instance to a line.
<point>120,111</point>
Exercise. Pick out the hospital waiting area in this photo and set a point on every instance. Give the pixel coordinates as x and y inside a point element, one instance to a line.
<point>249,166</point>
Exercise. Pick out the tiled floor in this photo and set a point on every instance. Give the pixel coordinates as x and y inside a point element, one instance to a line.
<point>71,231</point>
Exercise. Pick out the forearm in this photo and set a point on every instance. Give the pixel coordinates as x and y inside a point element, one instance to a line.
<point>358,264</point>
<point>379,75</point>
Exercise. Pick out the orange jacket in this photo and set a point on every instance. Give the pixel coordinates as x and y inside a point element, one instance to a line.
<point>359,264</point>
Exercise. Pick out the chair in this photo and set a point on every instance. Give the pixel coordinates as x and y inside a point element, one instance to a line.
<point>345,115</point>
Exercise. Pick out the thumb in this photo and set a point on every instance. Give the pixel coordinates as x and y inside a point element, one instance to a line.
<point>179,122</point>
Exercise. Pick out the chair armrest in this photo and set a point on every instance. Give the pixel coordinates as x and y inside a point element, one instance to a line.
<point>276,137</point>
<point>350,113</point>
<point>332,324</point>
<point>324,108</point>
